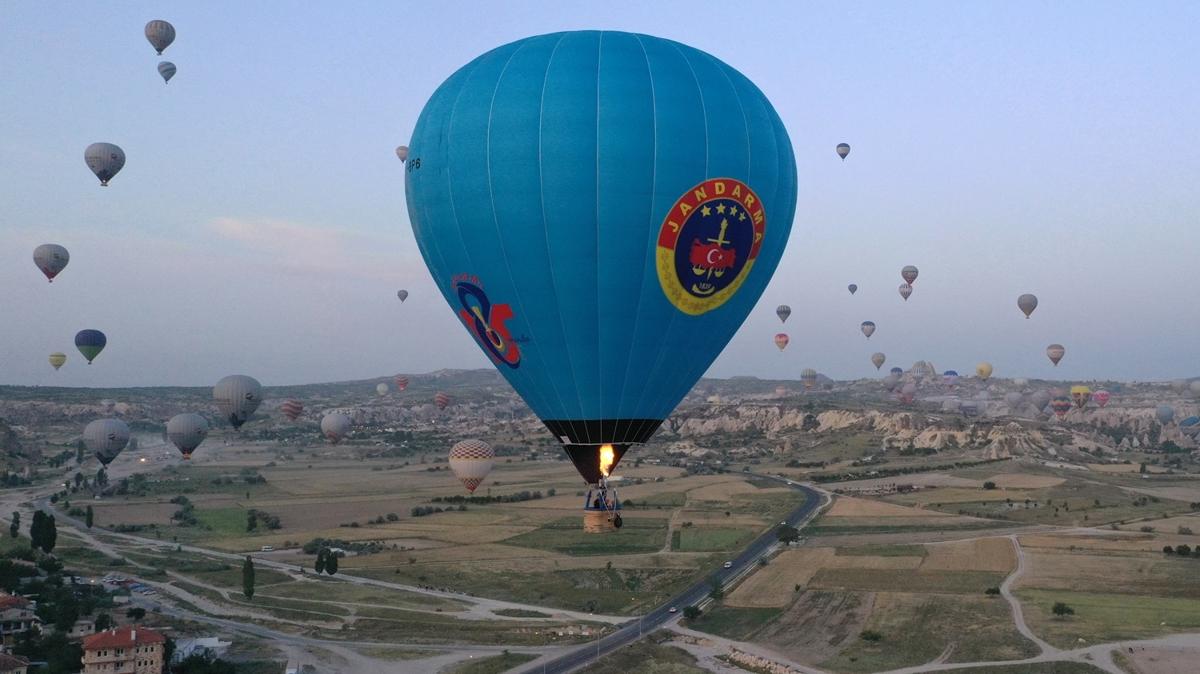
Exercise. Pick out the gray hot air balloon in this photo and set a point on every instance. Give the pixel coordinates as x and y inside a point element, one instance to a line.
<point>868,328</point>
<point>853,288</point>
<point>905,291</point>
<point>106,438</point>
<point>1027,303</point>
<point>167,70</point>
<point>237,397</point>
<point>1013,398</point>
<point>335,426</point>
<point>1040,399</point>
<point>843,149</point>
<point>402,294</point>
<point>402,152</point>
<point>105,160</point>
<point>783,311</point>
<point>51,258</point>
<point>187,431</point>
<point>1194,387</point>
<point>160,34</point>
<point>877,359</point>
<point>1055,353</point>
<point>909,274</point>
<point>1164,414</point>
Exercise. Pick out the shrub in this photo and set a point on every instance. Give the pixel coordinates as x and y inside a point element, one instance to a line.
<point>989,485</point>
<point>992,591</point>
<point>871,636</point>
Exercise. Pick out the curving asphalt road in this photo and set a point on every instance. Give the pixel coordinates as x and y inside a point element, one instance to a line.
<point>633,630</point>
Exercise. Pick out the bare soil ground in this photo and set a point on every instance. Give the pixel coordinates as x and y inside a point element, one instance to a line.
<point>849,506</point>
<point>1025,481</point>
<point>818,624</point>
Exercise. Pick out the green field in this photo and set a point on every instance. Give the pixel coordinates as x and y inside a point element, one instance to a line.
<point>1032,668</point>
<point>1107,617</point>
<point>734,622</point>
<point>646,657</point>
<point>705,539</point>
<point>565,535</point>
<point>493,665</point>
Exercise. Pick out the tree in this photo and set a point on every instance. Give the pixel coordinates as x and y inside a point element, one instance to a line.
<point>79,452</point>
<point>78,479</point>
<point>331,563</point>
<point>136,613</point>
<point>787,534</point>
<point>716,592</point>
<point>1062,610</point>
<point>37,529</point>
<point>989,485</point>
<point>871,635</point>
<point>89,517</point>
<point>1183,550</point>
<point>102,478</point>
<point>248,578</point>
<point>1168,550</point>
<point>51,535</point>
<point>103,622</point>
<point>251,520</point>
<point>691,612</point>
<point>14,529</point>
<point>992,591</point>
<point>319,566</point>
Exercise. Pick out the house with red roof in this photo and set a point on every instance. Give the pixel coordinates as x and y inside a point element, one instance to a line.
<point>124,650</point>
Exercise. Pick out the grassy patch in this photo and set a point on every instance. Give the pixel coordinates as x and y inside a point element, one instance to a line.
<point>734,622</point>
<point>646,657</point>
<point>704,539</point>
<point>668,500</point>
<point>914,629</point>
<point>566,535</point>
<point>884,551</point>
<point>1032,668</point>
<point>331,590</point>
<point>835,530</point>
<point>1107,617</point>
<point>494,665</point>
<point>222,522</point>
<point>907,580</point>
<point>520,613</point>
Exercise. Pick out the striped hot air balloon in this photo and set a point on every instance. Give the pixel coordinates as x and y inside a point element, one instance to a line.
<point>57,359</point>
<point>868,328</point>
<point>90,343</point>
<point>909,274</point>
<point>292,409</point>
<point>809,377</point>
<point>442,400</point>
<point>877,359</point>
<point>1055,353</point>
<point>1061,405</point>
<point>1101,397</point>
<point>401,382</point>
<point>471,461</point>
<point>905,291</point>
<point>1080,395</point>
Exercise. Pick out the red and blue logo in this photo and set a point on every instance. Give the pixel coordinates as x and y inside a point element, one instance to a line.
<point>486,321</point>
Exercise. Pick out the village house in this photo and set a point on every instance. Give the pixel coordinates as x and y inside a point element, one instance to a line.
<point>16,617</point>
<point>124,650</point>
<point>13,664</point>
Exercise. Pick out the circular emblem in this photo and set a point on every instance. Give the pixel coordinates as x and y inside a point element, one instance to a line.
<point>487,322</point>
<point>707,244</point>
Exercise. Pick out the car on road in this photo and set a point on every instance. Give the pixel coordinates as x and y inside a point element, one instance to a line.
<point>672,610</point>
<point>729,565</point>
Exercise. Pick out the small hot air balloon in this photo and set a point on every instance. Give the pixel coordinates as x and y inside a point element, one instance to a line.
<point>1061,405</point>
<point>381,388</point>
<point>51,258</point>
<point>186,432</point>
<point>1194,387</point>
<point>1101,397</point>
<point>402,294</point>
<point>160,34</point>
<point>983,371</point>
<point>442,400</point>
<point>292,409</point>
<point>969,408</point>
<point>105,160</point>
<point>908,393</point>
<point>1055,353</point>
<point>892,379</point>
<point>90,343</point>
<point>1039,399</point>
<point>1164,414</point>
<point>57,359</point>
<point>1013,399</point>
<point>1021,382</point>
<point>335,426</point>
<point>899,372</point>
<point>843,150</point>
<point>808,377</point>
<point>402,152</point>
<point>905,291</point>
<point>877,359</point>
<point>868,328</point>
<point>167,70</point>
<point>237,396</point>
<point>781,391</point>
<point>401,382</point>
<point>106,438</point>
<point>1190,426</point>
<point>950,377</point>
<point>853,288</point>
<point>1027,303</point>
<point>783,311</point>
<point>471,461</point>
<point>909,274</point>
<point>1080,395</point>
<point>781,340</point>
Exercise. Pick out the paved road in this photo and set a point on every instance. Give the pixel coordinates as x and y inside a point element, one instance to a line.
<point>634,629</point>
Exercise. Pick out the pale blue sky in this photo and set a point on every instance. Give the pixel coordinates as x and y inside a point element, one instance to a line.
<point>259,225</point>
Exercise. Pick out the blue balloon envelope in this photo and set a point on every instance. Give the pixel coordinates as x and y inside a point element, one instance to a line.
<point>90,343</point>
<point>602,210</point>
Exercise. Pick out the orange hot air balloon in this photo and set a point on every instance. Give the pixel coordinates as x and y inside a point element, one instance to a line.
<point>292,409</point>
<point>781,341</point>
<point>401,382</point>
<point>471,461</point>
<point>442,400</point>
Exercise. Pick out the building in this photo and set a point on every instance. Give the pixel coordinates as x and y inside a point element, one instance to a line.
<point>124,650</point>
<point>16,617</point>
<point>208,646</point>
<point>13,664</point>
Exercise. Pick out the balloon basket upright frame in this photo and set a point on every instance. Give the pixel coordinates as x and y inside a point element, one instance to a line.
<point>601,509</point>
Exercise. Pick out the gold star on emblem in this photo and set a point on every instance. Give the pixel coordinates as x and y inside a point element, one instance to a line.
<point>705,211</point>
<point>733,211</point>
<point>720,208</point>
<point>741,216</point>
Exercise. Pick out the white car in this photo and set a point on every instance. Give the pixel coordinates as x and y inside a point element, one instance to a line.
<point>729,565</point>
<point>672,610</point>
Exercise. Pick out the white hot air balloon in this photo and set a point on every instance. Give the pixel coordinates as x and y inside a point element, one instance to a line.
<point>186,432</point>
<point>381,388</point>
<point>105,160</point>
<point>51,258</point>
<point>471,461</point>
<point>106,438</point>
<point>237,397</point>
<point>402,153</point>
<point>335,426</point>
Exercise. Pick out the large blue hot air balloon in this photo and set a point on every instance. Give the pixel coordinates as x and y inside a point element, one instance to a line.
<point>602,210</point>
<point>90,343</point>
